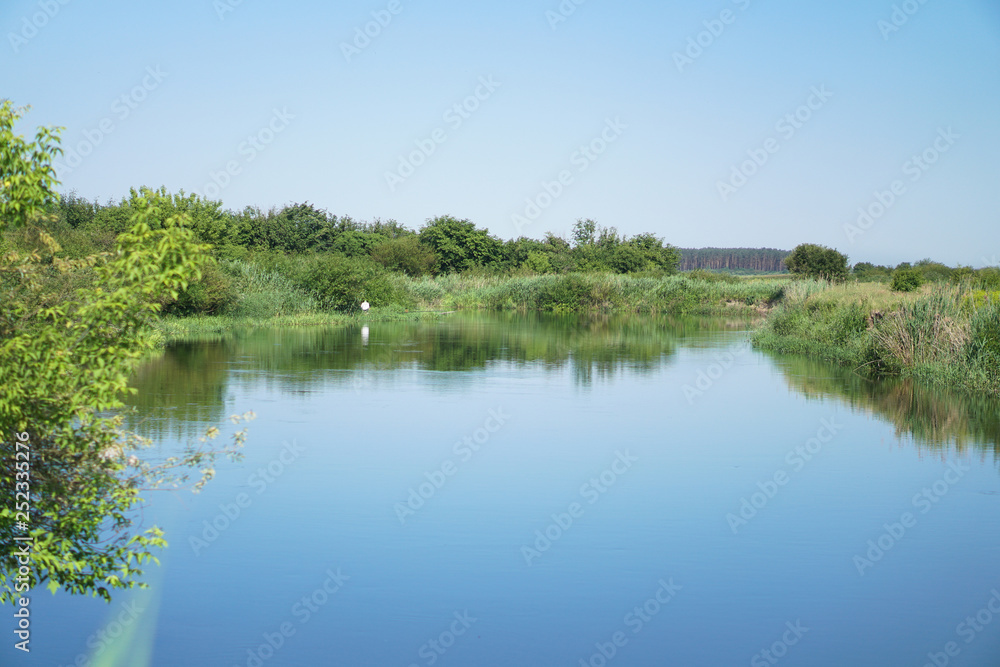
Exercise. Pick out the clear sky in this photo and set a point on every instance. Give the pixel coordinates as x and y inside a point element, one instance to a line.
<point>683,109</point>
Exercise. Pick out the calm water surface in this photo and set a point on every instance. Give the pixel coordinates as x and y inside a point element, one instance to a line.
<point>510,490</point>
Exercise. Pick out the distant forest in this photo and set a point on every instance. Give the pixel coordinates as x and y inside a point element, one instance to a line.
<point>733,259</point>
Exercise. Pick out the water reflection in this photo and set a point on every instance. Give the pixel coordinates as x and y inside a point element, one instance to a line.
<point>935,418</point>
<point>187,387</point>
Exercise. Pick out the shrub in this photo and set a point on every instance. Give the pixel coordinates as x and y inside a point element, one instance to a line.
<point>538,262</point>
<point>816,261</point>
<point>566,293</point>
<point>406,254</point>
<point>906,280</point>
<point>208,295</point>
<point>342,283</point>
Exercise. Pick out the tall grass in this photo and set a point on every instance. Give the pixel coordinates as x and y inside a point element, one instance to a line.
<point>262,293</point>
<point>938,334</point>
<point>589,292</point>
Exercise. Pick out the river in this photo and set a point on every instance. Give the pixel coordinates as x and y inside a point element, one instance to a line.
<point>480,490</point>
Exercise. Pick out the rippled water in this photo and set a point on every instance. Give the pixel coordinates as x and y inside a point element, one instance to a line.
<point>527,490</point>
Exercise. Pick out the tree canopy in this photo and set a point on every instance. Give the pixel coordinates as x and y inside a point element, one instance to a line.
<point>817,261</point>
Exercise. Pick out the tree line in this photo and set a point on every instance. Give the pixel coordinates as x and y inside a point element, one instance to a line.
<point>765,260</point>
<point>444,244</point>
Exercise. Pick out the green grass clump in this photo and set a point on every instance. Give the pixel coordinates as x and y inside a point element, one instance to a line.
<point>937,334</point>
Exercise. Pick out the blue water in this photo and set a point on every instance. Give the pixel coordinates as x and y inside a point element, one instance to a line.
<point>512,429</point>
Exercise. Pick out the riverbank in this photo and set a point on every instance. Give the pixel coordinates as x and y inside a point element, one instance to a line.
<point>943,334</point>
<point>685,294</point>
<point>415,298</point>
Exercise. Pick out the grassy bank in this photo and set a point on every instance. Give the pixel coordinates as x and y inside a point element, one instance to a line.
<point>947,333</point>
<point>586,292</point>
<point>943,334</point>
<point>263,298</point>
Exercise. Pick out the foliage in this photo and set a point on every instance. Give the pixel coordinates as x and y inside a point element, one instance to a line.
<point>64,363</point>
<point>599,248</point>
<point>816,261</point>
<point>27,178</point>
<point>405,254</point>
<point>459,245</point>
<point>342,283</point>
<point>210,294</point>
<point>936,336</point>
<point>906,280</point>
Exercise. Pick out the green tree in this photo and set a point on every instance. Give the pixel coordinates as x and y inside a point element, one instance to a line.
<point>64,362</point>
<point>816,261</point>
<point>906,280</point>
<point>459,245</point>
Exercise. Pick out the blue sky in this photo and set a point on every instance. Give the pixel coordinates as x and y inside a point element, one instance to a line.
<point>694,150</point>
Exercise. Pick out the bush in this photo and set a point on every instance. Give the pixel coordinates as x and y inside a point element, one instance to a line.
<point>906,280</point>
<point>538,262</point>
<point>209,295</point>
<point>342,283</point>
<point>406,254</point>
<point>566,293</point>
<point>816,261</point>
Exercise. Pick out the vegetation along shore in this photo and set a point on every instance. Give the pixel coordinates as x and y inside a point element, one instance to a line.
<point>299,265</point>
